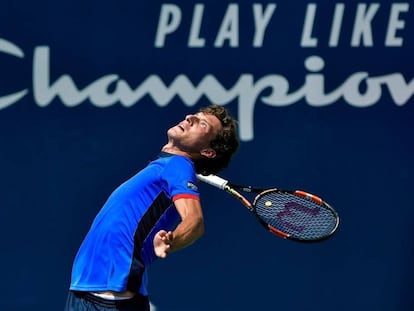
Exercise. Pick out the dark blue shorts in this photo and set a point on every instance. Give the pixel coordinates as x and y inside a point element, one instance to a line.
<point>84,301</point>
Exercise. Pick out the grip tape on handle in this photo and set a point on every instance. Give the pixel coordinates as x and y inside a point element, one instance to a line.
<point>213,180</point>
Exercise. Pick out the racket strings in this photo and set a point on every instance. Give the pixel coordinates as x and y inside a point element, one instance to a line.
<point>299,217</point>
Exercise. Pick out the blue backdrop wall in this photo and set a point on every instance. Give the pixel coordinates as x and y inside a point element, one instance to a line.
<point>323,92</point>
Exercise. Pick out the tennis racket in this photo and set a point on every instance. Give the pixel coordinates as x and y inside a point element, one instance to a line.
<point>293,215</point>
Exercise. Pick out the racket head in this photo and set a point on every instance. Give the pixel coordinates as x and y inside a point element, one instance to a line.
<point>295,215</point>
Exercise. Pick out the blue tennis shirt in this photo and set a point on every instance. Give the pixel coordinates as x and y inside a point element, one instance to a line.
<point>119,245</point>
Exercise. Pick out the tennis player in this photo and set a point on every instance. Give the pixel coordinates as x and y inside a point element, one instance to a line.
<point>152,214</point>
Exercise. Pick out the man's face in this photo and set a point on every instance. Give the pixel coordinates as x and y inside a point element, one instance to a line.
<point>195,132</point>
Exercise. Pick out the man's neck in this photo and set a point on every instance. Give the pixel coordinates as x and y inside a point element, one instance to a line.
<point>175,150</point>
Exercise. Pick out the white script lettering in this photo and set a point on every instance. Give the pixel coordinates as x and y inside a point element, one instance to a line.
<point>111,89</point>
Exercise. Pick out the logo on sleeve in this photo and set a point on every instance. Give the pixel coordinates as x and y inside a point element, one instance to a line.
<point>191,186</point>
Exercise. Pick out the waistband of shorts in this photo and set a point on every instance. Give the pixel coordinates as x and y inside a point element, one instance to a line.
<point>108,302</point>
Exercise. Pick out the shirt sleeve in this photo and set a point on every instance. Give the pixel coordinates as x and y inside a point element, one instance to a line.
<point>181,179</point>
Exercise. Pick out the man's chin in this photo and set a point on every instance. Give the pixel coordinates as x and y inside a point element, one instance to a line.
<point>176,129</point>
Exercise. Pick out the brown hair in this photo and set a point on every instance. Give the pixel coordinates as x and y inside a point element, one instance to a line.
<point>225,144</point>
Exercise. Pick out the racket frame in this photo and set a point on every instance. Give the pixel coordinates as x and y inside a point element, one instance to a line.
<point>230,188</point>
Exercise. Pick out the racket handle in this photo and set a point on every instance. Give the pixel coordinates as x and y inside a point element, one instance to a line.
<point>213,180</point>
